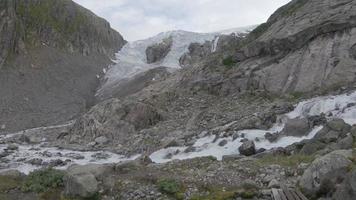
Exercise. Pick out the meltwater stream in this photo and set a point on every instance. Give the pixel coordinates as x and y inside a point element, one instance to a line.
<point>340,106</point>
<point>27,158</point>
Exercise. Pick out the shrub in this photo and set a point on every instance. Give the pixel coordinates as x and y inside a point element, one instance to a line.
<point>229,62</point>
<point>43,180</point>
<point>171,187</point>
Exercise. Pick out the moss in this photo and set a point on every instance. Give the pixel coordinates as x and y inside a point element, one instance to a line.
<point>292,8</point>
<point>284,11</point>
<point>53,194</point>
<point>9,183</point>
<point>287,161</point>
<point>229,62</point>
<point>172,188</point>
<point>295,96</point>
<point>258,31</point>
<point>43,180</point>
<point>44,16</point>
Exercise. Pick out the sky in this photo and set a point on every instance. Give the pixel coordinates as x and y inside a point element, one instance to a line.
<point>140,19</point>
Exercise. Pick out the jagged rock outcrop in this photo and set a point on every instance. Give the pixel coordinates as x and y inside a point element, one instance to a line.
<point>196,53</point>
<point>50,54</point>
<point>118,121</point>
<point>226,46</point>
<point>157,52</point>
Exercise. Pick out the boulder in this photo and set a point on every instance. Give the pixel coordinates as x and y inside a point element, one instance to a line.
<point>99,171</point>
<point>347,189</point>
<point>323,169</point>
<point>296,127</point>
<point>271,137</point>
<point>274,184</point>
<point>311,147</point>
<point>339,125</point>
<point>345,143</point>
<point>101,140</point>
<point>158,52</point>
<point>327,136</point>
<point>223,143</point>
<point>81,185</point>
<point>247,148</point>
<point>353,131</point>
<point>82,181</point>
<point>12,147</point>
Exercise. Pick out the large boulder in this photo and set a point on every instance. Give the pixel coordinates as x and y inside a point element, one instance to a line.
<point>296,127</point>
<point>247,148</point>
<point>339,125</point>
<point>158,52</point>
<point>347,189</point>
<point>325,169</point>
<point>83,181</point>
<point>334,130</point>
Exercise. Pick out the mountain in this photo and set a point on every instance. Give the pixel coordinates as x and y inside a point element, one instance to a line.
<point>51,53</point>
<point>132,59</point>
<point>251,115</point>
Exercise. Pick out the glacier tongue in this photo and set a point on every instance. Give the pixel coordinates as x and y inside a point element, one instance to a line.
<point>131,59</point>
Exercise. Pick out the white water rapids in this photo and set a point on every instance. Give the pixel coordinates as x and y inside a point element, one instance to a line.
<point>25,157</point>
<point>340,106</point>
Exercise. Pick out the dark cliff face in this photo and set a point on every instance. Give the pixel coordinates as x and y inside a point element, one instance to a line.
<point>63,24</point>
<point>51,52</point>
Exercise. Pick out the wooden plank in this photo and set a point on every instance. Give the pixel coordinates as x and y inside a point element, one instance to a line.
<point>296,195</point>
<point>276,194</point>
<point>289,194</point>
<point>301,196</point>
<point>282,195</point>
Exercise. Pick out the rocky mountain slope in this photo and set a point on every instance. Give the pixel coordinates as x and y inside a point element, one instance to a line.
<point>306,46</point>
<point>246,113</point>
<point>51,54</point>
<point>218,87</point>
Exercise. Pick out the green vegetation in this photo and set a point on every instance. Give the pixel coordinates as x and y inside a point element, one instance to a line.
<point>43,180</point>
<point>291,8</point>
<point>246,191</point>
<point>229,62</point>
<point>94,197</point>
<point>287,161</point>
<point>49,15</point>
<point>284,11</point>
<point>293,96</point>
<point>172,188</point>
<point>9,183</point>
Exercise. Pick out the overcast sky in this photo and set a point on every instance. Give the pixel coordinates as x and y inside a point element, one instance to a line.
<point>139,19</point>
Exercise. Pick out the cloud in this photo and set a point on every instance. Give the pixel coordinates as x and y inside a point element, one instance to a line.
<point>139,19</point>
